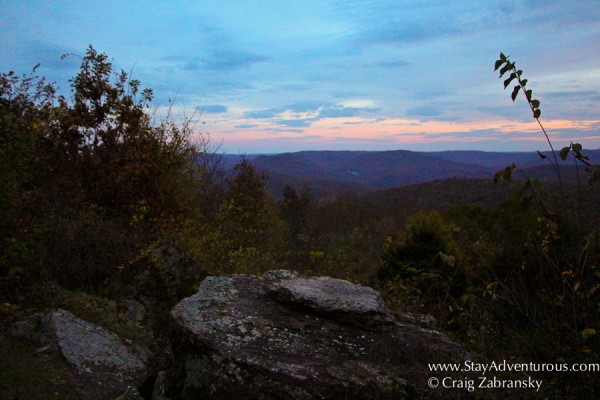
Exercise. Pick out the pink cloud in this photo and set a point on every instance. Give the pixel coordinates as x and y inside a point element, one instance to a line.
<point>403,133</point>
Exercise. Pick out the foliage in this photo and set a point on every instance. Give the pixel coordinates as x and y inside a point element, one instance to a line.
<point>243,212</point>
<point>251,232</point>
<point>556,290</point>
<point>90,181</point>
<point>425,264</point>
<point>294,208</point>
<point>505,65</point>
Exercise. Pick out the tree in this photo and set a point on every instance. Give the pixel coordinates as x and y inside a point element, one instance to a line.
<point>294,209</point>
<point>246,208</point>
<point>90,179</point>
<point>427,259</point>
<point>251,235</point>
<point>24,104</point>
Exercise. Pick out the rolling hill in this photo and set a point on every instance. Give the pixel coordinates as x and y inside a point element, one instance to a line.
<point>335,172</point>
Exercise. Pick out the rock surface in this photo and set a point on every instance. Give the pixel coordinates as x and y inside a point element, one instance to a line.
<point>281,336</point>
<point>103,367</point>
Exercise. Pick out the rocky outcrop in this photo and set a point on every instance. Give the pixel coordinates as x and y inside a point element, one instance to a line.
<point>103,367</point>
<point>281,336</point>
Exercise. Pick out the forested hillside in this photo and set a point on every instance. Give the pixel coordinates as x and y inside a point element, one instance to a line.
<point>340,172</point>
<point>100,204</point>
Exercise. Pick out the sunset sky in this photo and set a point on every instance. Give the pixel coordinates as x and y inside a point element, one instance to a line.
<point>275,76</point>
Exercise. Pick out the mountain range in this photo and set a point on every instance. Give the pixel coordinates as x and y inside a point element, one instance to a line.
<point>334,172</point>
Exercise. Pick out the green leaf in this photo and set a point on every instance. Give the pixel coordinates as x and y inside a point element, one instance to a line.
<point>498,64</point>
<point>564,152</point>
<point>577,148</point>
<point>525,201</point>
<point>515,92</point>
<point>537,113</point>
<point>524,82</point>
<point>520,72</point>
<point>502,56</point>
<point>507,173</point>
<point>528,94</point>
<point>583,159</point>
<point>535,103</point>
<point>509,80</point>
<point>449,260</point>
<point>505,69</point>
<point>588,333</point>
<point>497,177</point>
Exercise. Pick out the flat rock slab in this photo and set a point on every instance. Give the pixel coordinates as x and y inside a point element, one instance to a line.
<point>334,298</point>
<point>281,336</point>
<point>103,367</point>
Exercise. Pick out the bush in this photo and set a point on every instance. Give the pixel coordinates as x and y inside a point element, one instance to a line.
<point>90,181</point>
<point>424,266</point>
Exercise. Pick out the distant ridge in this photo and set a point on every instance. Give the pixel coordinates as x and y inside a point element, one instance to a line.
<point>365,171</point>
<point>331,172</point>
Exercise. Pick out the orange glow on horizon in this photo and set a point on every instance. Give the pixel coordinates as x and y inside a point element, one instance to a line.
<point>401,131</point>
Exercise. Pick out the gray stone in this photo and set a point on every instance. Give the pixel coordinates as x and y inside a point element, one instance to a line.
<point>160,387</point>
<point>130,393</point>
<point>134,310</point>
<point>283,336</point>
<point>103,367</point>
<point>334,298</point>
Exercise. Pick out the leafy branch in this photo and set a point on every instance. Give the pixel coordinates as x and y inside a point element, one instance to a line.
<point>567,255</point>
<point>505,66</point>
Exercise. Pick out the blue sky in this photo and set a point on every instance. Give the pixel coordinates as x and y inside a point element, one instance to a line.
<point>273,76</point>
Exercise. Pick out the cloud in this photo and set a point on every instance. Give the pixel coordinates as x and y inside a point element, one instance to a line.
<point>421,61</point>
<point>344,112</point>
<point>245,126</point>
<point>398,23</point>
<point>263,114</point>
<point>214,109</point>
<point>48,56</point>
<point>228,60</point>
<point>393,64</point>
<point>304,114</point>
<point>220,60</point>
<point>346,94</point>
<point>574,134</point>
<point>277,130</point>
<point>295,86</point>
<point>565,13</point>
<point>574,104</point>
<point>410,32</point>
<point>425,111</point>
<point>574,95</point>
<point>296,123</point>
<point>307,106</point>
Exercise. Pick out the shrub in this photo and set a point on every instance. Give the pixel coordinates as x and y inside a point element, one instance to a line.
<point>90,181</point>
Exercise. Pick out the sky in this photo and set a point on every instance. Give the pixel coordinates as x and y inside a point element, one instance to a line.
<point>277,76</point>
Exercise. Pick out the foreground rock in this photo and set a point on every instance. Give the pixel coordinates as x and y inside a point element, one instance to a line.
<point>282,336</point>
<point>103,367</point>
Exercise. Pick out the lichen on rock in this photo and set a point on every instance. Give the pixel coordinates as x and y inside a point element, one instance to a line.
<point>284,336</point>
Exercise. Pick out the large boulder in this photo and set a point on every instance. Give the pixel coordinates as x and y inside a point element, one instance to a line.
<point>284,336</point>
<point>102,366</point>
